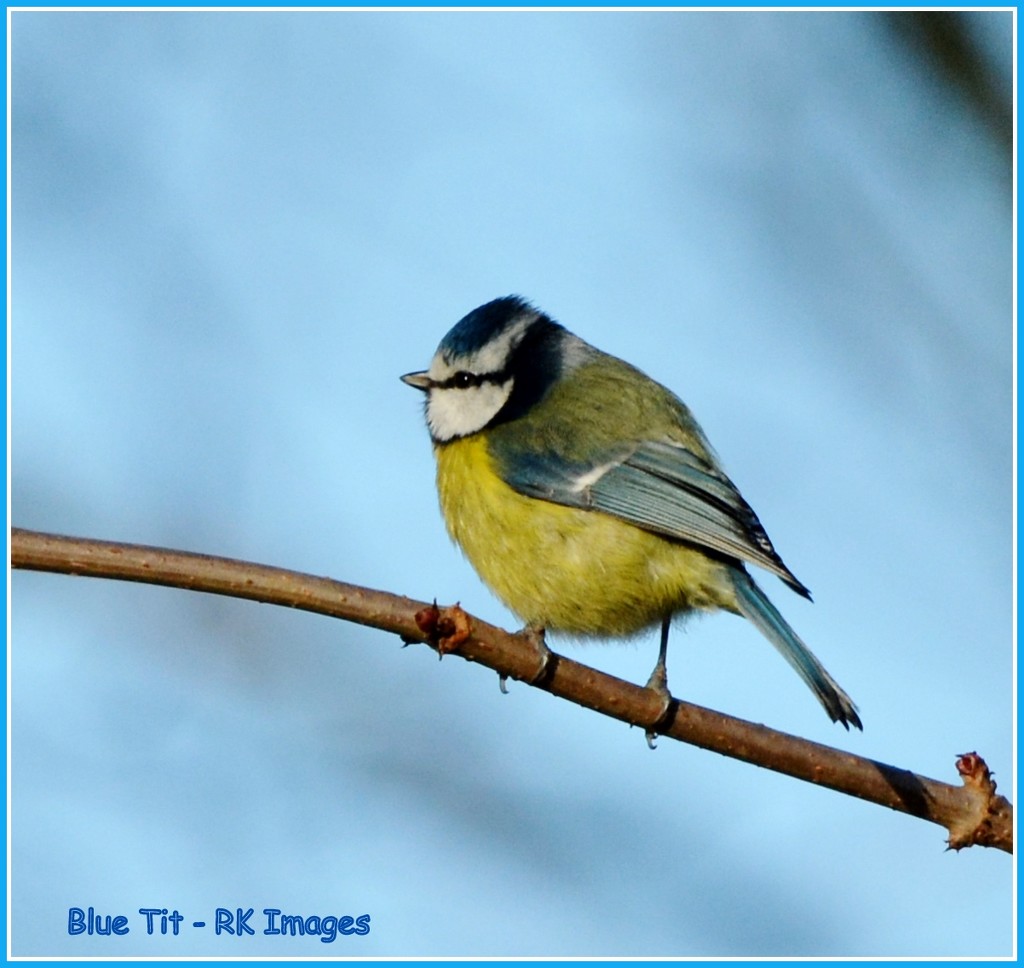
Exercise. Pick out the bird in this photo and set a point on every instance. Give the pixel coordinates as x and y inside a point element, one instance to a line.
<point>587,497</point>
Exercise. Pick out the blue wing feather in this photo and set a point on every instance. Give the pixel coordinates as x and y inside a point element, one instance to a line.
<point>657,485</point>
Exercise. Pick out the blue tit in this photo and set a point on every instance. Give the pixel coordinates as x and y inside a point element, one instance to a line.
<point>585,494</point>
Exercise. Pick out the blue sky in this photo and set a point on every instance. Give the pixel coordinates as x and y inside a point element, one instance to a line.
<point>232,232</point>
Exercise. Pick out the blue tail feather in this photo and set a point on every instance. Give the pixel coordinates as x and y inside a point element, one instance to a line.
<point>755,606</point>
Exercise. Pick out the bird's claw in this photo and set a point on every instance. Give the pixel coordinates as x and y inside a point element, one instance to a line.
<point>535,636</point>
<point>658,684</point>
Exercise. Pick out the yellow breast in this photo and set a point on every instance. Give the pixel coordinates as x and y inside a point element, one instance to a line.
<point>566,569</point>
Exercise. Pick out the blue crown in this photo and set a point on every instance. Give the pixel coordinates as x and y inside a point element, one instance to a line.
<point>477,328</point>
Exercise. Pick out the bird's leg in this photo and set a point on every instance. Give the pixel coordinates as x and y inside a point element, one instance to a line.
<point>659,681</point>
<point>659,677</point>
<point>534,634</point>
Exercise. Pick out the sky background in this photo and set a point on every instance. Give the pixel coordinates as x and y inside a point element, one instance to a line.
<point>232,232</point>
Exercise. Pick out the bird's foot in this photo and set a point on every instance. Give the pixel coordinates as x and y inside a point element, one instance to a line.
<point>658,684</point>
<point>534,635</point>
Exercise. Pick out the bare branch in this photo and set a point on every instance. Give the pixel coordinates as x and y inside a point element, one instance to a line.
<point>973,813</point>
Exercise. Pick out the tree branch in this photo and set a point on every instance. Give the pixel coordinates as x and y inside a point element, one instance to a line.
<point>973,813</point>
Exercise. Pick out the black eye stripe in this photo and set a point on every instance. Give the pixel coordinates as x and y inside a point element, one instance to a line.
<point>463,379</point>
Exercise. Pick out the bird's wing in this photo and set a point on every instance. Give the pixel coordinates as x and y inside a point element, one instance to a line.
<point>661,486</point>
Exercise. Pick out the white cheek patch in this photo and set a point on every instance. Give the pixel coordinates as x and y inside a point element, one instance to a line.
<point>454,412</point>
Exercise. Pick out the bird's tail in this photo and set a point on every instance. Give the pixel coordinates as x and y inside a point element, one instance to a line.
<point>754,605</point>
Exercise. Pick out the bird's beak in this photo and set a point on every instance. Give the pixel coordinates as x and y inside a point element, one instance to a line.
<point>421,381</point>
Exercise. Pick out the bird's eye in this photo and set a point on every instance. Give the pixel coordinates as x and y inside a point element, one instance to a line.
<point>463,380</point>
